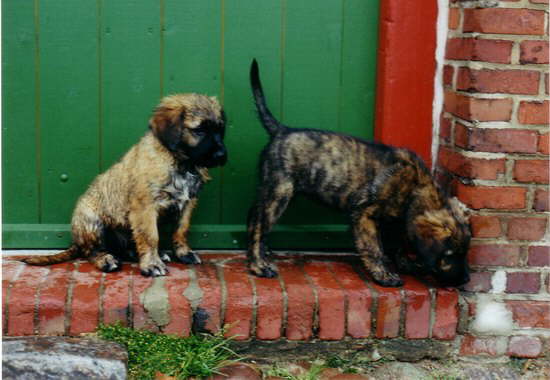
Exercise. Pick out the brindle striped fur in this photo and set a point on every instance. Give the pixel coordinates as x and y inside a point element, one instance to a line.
<point>387,193</point>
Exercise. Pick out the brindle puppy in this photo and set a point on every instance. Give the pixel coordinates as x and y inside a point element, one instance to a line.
<point>386,192</point>
<point>162,174</point>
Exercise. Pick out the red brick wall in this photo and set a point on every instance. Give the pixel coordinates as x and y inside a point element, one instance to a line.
<point>494,153</point>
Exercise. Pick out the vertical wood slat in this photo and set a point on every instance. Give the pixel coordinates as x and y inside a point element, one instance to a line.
<point>20,198</point>
<point>260,22</point>
<point>69,88</point>
<point>130,67</point>
<point>313,38</point>
<point>192,63</point>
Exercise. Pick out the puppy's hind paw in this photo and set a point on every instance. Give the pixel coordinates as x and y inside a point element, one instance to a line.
<point>388,279</point>
<point>265,271</point>
<point>108,263</point>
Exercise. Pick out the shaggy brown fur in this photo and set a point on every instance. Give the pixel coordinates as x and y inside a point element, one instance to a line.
<point>387,193</point>
<point>161,175</point>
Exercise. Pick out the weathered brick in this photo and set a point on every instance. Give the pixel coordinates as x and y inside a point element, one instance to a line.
<point>140,284</point>
<point>524,347</point>
<point>332,317</point>
<point>445,129</point>
<point>504,21</point>
<point>238,308</point>
<point>544,144</point>
<point>526,228</point>
<point>417,309</point>
<point>388,313</point>
<point>546,83</point>
<point>300,302</point>
<point>498,81</point>
<point>454,18</point>
<point>485,226</point>
<point>496,140</point>
<point>533,112</point>
<point>479,282</point>
<point>533,52</point>
<point>85,300</point>
<point>270,309</point>
<point>470,108</point>
<point>358,298</point>
<point>539,256</point>
<point>116,296</point>
<point>448,75</point>
<point>23,300</point>
<point>472,345</point>
<point>539,1</point>
<point>535,171</point>
<point>180,312</point>
<point>523,282</point>
<point>53,296</point>
<point>492,197</point>
<point>474,49</point>
<point>470,167</point>
<point>9,272</point>
<point>541,200</point>
<point>535,314</point>
<point>494,254</point>
<point>209,309</point>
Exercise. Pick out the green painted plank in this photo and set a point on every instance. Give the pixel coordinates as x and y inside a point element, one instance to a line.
<point>19,128</point>
<point>130,73</point>
<point>69,96</point>
<point>205,236</point>
<point>358,75</point>
<point>312,55</point>
<point>191,56</point>
<point>260,22</point>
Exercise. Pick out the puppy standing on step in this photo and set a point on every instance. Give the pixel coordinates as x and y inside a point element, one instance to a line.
<point>387,192</point>
<point>160,175</point>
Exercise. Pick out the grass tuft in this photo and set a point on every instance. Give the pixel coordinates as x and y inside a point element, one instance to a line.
<point>149,352</point>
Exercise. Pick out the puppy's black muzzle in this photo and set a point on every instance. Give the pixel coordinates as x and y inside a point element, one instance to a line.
<point>219,158</point>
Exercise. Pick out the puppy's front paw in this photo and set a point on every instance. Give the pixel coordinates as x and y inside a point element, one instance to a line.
<point>186,256</point>
<point>190,258</point>
<point>153,267</point>
<point>387,279</point>
<point>264,270</point>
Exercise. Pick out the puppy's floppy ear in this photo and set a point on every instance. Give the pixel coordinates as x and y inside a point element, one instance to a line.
<point>166,125</point>
<point>432,225</point>
<point>460,210</point>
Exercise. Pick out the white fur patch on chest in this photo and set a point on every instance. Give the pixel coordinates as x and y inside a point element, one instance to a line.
<point>179,189</point>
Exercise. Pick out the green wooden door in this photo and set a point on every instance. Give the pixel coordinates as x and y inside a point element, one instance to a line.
<point>80,79</point>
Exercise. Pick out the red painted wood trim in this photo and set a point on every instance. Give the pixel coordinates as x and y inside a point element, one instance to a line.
<point>405,74</point>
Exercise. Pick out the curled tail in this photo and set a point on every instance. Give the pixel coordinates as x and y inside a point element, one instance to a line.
<point>69,254</point>
<point>271,124</point>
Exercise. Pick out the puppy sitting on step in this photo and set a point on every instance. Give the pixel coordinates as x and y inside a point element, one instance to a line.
<point>160,175</point>
<point>387,192</point>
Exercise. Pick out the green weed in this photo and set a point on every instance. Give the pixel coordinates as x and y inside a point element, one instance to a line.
<point>149,352</point>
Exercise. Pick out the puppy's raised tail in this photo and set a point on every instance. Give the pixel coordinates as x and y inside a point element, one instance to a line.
<point>269,122</point>
<point>61,257</point>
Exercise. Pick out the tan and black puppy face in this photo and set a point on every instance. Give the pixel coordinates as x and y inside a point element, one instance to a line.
<point>191,126</point>
<point>442,240</point>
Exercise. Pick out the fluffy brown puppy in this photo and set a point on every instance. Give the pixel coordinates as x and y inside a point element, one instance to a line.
<point>387,193</point>
<point>161,175</point>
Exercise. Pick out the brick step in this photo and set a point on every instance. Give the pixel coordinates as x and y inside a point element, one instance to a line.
<point>314,297</point>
